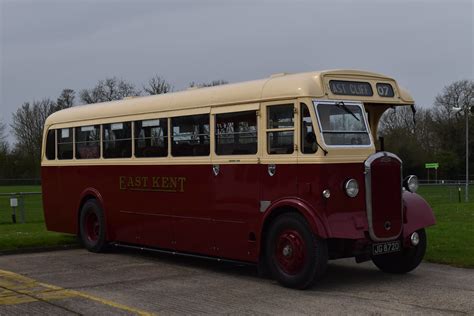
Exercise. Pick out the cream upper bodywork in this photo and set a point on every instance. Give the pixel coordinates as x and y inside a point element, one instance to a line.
<point>232,97</point>
<point>277,87</point>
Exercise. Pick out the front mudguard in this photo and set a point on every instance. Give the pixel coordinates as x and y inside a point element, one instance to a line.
<point>417,213</point>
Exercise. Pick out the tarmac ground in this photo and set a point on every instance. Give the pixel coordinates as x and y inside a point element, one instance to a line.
<point>77,282</point>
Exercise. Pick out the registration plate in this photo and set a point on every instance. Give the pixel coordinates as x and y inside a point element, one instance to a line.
<point>386,247</point>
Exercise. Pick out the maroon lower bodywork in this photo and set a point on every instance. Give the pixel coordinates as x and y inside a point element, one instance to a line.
<point>218,215</point>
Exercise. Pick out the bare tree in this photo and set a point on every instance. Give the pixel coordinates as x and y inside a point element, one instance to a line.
<point>27,125</point>
<point>398,118</point>
<point>108,89</point>
<point>2,132</point>
<point>459,94</point>
<point>157,85</point>
<point>66,98</point>
<point>208,84</point>
<point>3,146</point>
<point>416,125</point>
<point>447,125</point>
<point>3,152</point>
<point>450,128</point>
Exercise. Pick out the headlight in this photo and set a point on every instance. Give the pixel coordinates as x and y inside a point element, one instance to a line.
<point>352,187</point>
<point>411,183</point>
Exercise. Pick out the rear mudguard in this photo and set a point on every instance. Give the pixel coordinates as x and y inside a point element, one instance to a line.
<point>94,193</point>
<point>417,213</point>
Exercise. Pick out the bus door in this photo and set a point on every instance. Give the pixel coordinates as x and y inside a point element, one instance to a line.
<point>279,152</point>
<point>309,174</point>
<point>190,204</point>
<point>235,181</point>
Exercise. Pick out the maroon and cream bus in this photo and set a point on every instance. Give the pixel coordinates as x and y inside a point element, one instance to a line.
<point>284,172</point>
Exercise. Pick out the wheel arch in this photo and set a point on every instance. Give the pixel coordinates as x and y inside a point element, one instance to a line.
<point>293,205</point>
<point>86,195</point>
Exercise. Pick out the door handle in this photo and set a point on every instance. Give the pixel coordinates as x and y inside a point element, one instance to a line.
<point>271,170</point>
<point>215,169</point>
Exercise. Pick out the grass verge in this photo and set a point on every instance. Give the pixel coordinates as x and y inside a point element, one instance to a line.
<point>451,240</point>
<point>31,235</point>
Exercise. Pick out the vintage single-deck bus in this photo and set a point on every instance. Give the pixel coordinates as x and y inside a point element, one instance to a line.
<point>284,172</point>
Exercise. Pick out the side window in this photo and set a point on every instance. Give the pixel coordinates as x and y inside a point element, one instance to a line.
<point>236,133</point>
<point>190,135</point>
<point>280,129</point>
<point>51,144</point>
<point>117,140</point>
<point>308,136</point>
<point>151,138</point>
<point>65,145</point>
<point>87,142</point>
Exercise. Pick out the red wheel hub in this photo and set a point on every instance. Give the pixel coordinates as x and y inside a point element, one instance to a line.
<point>290,251</point>
<point>92,226</point>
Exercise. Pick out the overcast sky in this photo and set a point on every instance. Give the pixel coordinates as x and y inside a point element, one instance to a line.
<point>50,45</point>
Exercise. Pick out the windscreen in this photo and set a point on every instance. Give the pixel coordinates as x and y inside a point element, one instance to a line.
<point>342,124</point>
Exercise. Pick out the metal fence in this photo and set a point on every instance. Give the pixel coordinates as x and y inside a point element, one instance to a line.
<point>21,207</point>
<point>437,194</point>
<point>15,182</point>
<point>445,182</point>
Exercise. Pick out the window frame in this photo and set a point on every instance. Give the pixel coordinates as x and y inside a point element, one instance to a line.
<point>171,134</point>
<point>360,104</point>
<point>266,130</point>
<point>214,132</point>
<point>54,145</point>
<point>103,141</point>
<point>134,138</point>
<point>73,143</point>
<point>98,141</point>
<point>313,124</point>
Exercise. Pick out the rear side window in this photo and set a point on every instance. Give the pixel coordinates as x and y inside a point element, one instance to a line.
<point>280,129</point>
<point>88,142</point>
<point>65,145</point>
<point>236,133</point>
<point>117,140</point>
<point>151,138</point>
<point>190,136</point>
<point>51,144</point>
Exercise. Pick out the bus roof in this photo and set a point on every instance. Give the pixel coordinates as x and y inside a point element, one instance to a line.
<point>277,87</point>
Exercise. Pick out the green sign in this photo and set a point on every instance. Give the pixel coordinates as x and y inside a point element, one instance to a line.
<point>432,165</point>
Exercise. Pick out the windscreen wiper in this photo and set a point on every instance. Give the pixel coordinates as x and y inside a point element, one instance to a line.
<point>341,105</point>
<point>324,150</point>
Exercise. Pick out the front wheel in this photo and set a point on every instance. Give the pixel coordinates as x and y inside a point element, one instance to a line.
<point>406,260</point>
<point>92,226</point>
<point>294,255</point>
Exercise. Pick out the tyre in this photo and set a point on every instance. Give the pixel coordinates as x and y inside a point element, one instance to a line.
<point>92,226</point>
<point>404,261</point>
<point>296,258</point>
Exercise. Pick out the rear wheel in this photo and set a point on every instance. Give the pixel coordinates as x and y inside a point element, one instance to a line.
<point>406,260</point>
<point>295,256</point>
<point>92,226</point>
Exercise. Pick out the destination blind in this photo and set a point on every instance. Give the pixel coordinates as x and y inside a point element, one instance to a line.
<point>356,88</point>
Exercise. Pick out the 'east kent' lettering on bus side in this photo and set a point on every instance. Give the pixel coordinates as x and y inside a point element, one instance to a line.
<point>159,184</point>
